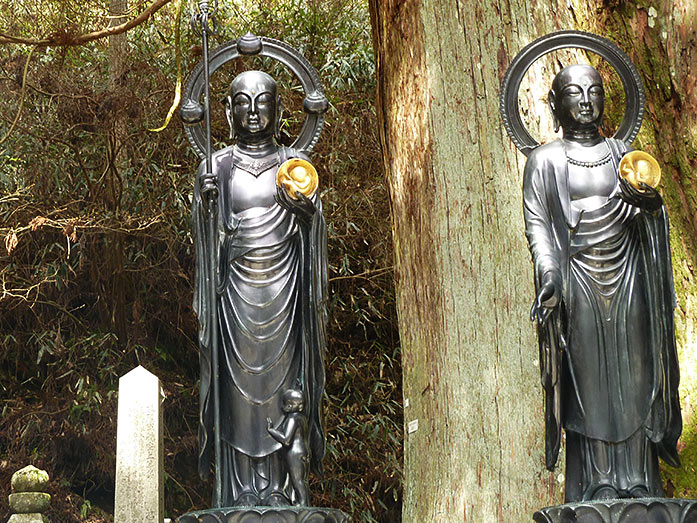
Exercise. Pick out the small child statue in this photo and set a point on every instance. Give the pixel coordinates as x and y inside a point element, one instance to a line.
<point>291,433</point>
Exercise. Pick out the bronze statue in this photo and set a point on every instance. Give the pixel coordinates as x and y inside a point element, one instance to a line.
<point>604,301</point>
<point>260,289</point>
<point>270,298</point>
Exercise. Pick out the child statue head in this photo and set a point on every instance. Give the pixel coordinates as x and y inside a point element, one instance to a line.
<point>293,401</point>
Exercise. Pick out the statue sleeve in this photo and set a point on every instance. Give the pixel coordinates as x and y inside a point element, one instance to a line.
<point>202,302</point>
<point>538,192</point>
<point>538,184</point>
<point>315,293</point>
<point>317,325</point>
<point>665,424</point>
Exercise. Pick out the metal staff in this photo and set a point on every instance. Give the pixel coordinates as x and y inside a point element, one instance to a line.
<point>209,190</point>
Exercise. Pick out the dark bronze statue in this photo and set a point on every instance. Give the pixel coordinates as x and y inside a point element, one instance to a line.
<point>604,294</point>
<point>260,289</point>
<point>604,303</point>
<point>270,298</point>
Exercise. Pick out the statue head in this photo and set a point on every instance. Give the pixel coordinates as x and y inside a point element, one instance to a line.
<point>577,98</point>
<point>253,107</point>
<point>293,401</point>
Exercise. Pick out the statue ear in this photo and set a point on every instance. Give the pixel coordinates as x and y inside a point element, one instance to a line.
<point>552,106</point>
<point>279,118</point>
<point>228,115</point>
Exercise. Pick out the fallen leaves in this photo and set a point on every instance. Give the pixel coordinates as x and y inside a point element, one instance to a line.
<point>37,222</point>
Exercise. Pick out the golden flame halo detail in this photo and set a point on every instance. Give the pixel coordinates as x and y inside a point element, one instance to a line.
<point>640,167</point>
<point>297,175</point>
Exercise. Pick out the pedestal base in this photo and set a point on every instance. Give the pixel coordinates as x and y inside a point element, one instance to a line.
<point>266,515</point>
<point>649,510</point>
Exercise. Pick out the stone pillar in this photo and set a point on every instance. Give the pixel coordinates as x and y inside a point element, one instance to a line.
<point>139,451</point>
<point>28,500</point>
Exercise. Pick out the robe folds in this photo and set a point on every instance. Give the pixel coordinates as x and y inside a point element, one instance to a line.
<point>271,287</point>
<point>607,352</point>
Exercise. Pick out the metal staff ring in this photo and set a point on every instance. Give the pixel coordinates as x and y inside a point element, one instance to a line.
<point>211,18</point>
<point>634,97</point>
<point>314,105</point>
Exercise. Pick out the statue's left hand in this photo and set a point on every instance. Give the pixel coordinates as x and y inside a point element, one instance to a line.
<point>302,207</point>
<point>546,300</point>
<point>269,424</point>
<point>208,185</point>
<point>647,198</point>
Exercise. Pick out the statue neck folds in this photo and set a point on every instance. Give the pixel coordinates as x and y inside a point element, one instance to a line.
<point>256,147</point>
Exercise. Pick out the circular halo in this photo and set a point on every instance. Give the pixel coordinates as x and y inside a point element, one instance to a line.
<point>633,88</point>
<point>315,104</point>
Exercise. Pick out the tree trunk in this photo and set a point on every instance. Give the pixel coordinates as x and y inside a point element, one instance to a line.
<point>462,268</point>
<point>118,44</point>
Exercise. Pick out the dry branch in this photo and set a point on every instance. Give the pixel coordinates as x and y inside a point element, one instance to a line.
<point>21,98</point>
<point>63,39</point>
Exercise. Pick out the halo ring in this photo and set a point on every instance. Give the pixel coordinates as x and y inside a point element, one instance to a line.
<point>634,96</point>
<point>315,104</point>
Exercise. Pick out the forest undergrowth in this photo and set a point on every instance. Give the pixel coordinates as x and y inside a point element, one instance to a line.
<point>96,262</point>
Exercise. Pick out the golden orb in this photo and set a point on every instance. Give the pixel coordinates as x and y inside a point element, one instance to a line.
<point>297,175</point>
<point>639,167</point>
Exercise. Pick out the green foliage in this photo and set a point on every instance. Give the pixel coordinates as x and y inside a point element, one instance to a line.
<point>85,509</point>
<point>96,262</point>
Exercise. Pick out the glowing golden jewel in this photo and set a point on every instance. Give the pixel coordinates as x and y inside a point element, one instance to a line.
<point>640,167</point>
<point>297,175</point>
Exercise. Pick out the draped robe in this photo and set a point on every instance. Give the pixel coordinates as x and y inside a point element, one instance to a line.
<point>607,353</point>
<point>271,282</point>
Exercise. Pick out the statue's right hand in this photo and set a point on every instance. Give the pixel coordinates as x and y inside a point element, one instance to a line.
<point>545,302</point>
<point>645,197</point>
<point>208,184</point>
<point>301,205</point>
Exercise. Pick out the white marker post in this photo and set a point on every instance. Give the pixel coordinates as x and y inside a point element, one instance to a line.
<point>139,452</point>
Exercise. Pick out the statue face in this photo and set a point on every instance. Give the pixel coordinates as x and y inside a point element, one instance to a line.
<point>577,97</point>
<point>252,105</point>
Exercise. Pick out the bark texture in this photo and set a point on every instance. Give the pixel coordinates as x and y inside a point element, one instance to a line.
<point>118,43</point>
<point>462,269</point>
<point>463,279</point>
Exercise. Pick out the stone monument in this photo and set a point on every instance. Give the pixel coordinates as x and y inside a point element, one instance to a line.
<point>139,493</point>
<point>260,290</point>
<point>29,499</point>
<point>598,235</point>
